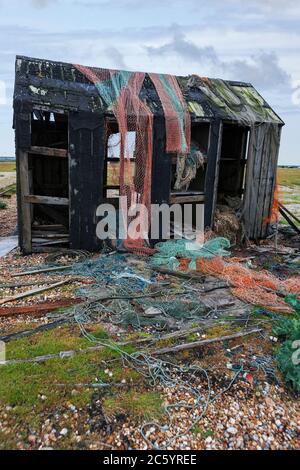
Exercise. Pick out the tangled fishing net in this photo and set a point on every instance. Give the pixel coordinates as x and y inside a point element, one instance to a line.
<point>168,252</point>
<point>120,92</point>
<point>251,286</point>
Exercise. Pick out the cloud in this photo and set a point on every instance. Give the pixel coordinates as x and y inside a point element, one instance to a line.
<point>261,69</point>
<point>116,57</point>
<point>184,48</point>
<point>42,3</point>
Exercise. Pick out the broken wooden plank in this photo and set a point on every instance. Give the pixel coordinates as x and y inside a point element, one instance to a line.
<point>35,291</point>
<point>186,199</point>
<point>48,152</point>
<point>197,344</point>
<point>288,219</point>
<point>40,271</point>
<point>48,235</point>
<point>189,275</point>
<point>72,353</point>
<point>38,310</point>
<point>6,190</point>
<point>51,201</point>
<point>289,212</point>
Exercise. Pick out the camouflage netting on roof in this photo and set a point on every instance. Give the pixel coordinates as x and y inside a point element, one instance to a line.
<point>235,101</point>
<point>61,84</point>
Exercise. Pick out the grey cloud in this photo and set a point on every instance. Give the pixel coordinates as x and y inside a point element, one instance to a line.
<point>263,69</point>
<point>116,58</point>
<point>184,48</point>
<point>42,3</point>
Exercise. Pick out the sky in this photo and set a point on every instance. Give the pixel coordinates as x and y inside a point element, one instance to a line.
<point>256,41</point>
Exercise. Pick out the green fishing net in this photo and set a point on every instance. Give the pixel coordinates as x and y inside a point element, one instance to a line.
<point>169,251</point>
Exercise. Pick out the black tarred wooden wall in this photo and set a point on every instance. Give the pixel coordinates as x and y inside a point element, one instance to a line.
<point>86,147</point>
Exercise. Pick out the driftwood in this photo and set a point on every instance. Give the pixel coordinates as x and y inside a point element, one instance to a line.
<point>190,275</point>
<point>181,347</point>
<point>27,333</point>
<point>288,219</point>
<point>289,212</point>
<point>6,190</point>
<point>40,271</point>
<point>60,355</point>
<point>38,310</point>
<point>13,285</point>
<point>197,344</point>
<point>35,291</point>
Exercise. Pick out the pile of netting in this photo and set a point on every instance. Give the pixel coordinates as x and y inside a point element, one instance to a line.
<point>127,295</point>
<point>120,93</point>
<point>251,286</point>
<point>183,254</point>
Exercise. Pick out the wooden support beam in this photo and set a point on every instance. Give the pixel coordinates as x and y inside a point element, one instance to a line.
<point>36,291</point>
<point>212,172</point>
<point>186,199</point>
<point>48,152</point>
<point>197,344</point>
<point>25,211</point>
<point>52,201</point>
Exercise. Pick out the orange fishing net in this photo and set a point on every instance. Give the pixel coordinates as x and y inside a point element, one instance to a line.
<point>274,212</point>
<point>120,92</point>
<point>249,285</point>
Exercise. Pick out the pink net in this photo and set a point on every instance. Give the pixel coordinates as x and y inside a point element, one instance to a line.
<point>120,91</point>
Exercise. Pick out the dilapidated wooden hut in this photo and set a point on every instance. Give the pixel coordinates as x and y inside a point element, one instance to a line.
<point>186,140</point>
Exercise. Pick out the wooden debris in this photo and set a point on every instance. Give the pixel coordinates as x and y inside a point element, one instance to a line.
<point>37,310</point>
<point>40,271</point>
<point>197,344</point>
<point>35,291</point>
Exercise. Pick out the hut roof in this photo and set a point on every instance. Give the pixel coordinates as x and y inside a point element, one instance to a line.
<point>59,85</point>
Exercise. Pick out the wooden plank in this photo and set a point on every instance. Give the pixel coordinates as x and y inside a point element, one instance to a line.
<point>48,152</point>
<point>212,171</point>
<point>37,242</point>
<point>289,220</point>
<point>51,201</point>
<point>33,292</point>
<point>197,344</point>
<point>86,167</point>
<point>46,235</point>
<point>186,199</point>
<point>57,228</point>
<point>271,178</point>
<point>161,167</point>
<point>25,212</point>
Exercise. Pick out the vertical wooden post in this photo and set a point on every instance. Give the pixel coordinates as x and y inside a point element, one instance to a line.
<point>25,209</point>
<point>86,165</point>
<point>212,172</point>
<point>161,168</point>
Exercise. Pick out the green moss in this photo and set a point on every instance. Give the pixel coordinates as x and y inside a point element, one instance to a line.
<point>49,342</point>
<point>3,205</point>
<point>197,431</point>
<point>146,405</point>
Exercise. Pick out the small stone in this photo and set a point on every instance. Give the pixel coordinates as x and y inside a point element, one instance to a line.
<point>232,430</point>
<point>63,432</point>
<point>32,439</point>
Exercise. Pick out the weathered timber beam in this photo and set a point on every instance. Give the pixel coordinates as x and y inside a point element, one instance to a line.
<point>53,201</point>
<point>48,152</point>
